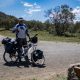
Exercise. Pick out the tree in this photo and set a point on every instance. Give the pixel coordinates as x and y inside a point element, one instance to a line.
<point>49,26</point>
<point>61,17</point>
<point>35,25</point>
<point>77,27</point>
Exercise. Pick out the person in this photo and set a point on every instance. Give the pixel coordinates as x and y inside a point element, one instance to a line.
<point>21,31</point>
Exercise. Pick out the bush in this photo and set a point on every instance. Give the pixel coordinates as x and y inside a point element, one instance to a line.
<point>68,34</point>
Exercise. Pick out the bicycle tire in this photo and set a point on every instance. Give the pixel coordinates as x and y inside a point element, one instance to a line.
<point>8,59</point>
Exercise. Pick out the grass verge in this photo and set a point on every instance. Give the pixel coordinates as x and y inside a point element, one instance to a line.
<point>56,77</point>
<point>44,36</point>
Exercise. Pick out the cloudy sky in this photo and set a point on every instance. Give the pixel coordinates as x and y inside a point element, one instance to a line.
<point>34,9</point>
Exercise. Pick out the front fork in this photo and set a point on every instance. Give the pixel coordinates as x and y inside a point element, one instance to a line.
<point>34,47</point>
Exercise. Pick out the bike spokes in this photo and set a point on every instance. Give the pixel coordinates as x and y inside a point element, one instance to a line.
<point>9,57</point>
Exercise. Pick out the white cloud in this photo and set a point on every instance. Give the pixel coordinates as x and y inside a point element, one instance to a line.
<point>31,8</point>
<point>28,5</point>
<point>30,11</point>
<point>76,11</point>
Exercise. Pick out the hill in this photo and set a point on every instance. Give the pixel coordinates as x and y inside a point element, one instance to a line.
<point>4,16</point>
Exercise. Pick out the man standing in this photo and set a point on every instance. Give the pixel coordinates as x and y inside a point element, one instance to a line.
<point>21,31</point>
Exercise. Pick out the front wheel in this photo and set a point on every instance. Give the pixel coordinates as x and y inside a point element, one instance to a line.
<point>36,59</point>
<point>10,57</point>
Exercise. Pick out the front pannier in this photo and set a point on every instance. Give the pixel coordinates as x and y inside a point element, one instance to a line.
<point>38,54</point>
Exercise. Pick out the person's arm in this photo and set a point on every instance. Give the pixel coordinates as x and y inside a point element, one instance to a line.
<point>14,29</point>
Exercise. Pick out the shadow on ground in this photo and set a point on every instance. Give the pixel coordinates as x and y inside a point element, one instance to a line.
<point>19,64</point>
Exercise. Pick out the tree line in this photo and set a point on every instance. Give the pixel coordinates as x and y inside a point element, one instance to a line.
<point>8,21</point>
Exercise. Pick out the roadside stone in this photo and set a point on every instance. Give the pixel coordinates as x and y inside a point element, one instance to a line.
<point>72,74</point>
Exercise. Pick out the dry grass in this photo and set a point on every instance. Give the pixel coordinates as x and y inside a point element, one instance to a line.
<point>44,36</point>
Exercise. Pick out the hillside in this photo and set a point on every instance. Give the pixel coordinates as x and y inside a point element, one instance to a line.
<point>4,16</point>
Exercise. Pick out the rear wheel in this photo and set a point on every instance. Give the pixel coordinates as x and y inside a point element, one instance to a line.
<point>10,57</point>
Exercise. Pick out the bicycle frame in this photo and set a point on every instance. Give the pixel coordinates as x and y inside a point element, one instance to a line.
<point>33,46</point>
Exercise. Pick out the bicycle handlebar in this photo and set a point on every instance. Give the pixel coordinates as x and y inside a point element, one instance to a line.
<point>32,37</point>
<point>35,35</point>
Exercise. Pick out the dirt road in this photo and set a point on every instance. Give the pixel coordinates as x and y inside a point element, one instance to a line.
<point>58,58</point>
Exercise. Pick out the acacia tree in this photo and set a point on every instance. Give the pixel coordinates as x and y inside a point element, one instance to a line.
<point>61,17</point>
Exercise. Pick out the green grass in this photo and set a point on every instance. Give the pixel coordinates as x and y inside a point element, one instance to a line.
<point>7,33</point>
<point>44,36</point>
<point>49,37</point>
<point>54,77</point>
<point>34,79</point>
<point>60,77</point>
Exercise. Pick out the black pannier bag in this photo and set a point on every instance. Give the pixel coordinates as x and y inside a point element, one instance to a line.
<point>6,40</point>
<point>34,40</point>
<point>38,54</point>
<point>9,46</point>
